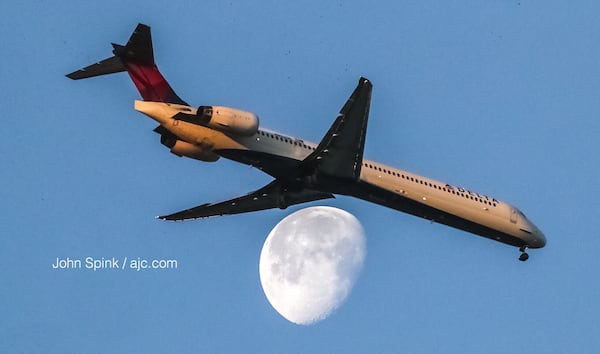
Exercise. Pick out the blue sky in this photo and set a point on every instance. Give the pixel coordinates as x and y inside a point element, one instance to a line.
<point>501,97</point>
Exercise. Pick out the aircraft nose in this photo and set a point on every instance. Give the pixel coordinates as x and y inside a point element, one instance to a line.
<point>541,239</point>
<point>538,239</point>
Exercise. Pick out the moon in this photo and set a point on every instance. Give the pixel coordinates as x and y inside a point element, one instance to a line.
<point>310,262</point>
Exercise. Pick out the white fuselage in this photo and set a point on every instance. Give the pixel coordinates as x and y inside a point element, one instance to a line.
<point>461,202</point>
<point>474,208</point>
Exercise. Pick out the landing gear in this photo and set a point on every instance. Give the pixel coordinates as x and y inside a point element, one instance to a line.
<point>524,256</point>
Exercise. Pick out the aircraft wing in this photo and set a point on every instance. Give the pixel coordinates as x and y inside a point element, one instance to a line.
<point>340,152</point>
<point>273,195</point>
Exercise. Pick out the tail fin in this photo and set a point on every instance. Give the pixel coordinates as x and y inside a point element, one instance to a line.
<point>137,58</point>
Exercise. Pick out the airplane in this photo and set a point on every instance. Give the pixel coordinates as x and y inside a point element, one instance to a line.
<point>303,171</point>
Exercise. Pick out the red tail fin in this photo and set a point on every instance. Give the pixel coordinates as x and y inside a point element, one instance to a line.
<point>137,58</point>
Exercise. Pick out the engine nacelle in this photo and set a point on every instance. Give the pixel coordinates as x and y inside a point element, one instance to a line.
<point>182,148</point>
<point>228,120</point>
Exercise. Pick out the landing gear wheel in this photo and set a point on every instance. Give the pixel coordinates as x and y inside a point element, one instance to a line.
<point>523,257</point>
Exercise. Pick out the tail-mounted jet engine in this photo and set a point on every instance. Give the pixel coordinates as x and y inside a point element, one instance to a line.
<point>182,148</point>
<point>228,120</point>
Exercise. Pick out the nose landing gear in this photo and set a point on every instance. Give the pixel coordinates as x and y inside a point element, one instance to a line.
<point>524,256</point>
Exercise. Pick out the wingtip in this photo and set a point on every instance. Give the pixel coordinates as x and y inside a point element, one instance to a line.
<point>142,25</point>
<point>364,81</point>
<point>73,75</point>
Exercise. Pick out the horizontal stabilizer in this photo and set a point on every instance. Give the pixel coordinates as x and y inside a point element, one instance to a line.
<point>107,66</point>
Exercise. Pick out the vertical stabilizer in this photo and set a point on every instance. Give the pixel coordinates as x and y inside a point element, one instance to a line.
<point>137,58</point>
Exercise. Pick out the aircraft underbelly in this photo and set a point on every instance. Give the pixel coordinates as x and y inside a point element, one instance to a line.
<point>440,211</point>
<point>275,165</point>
